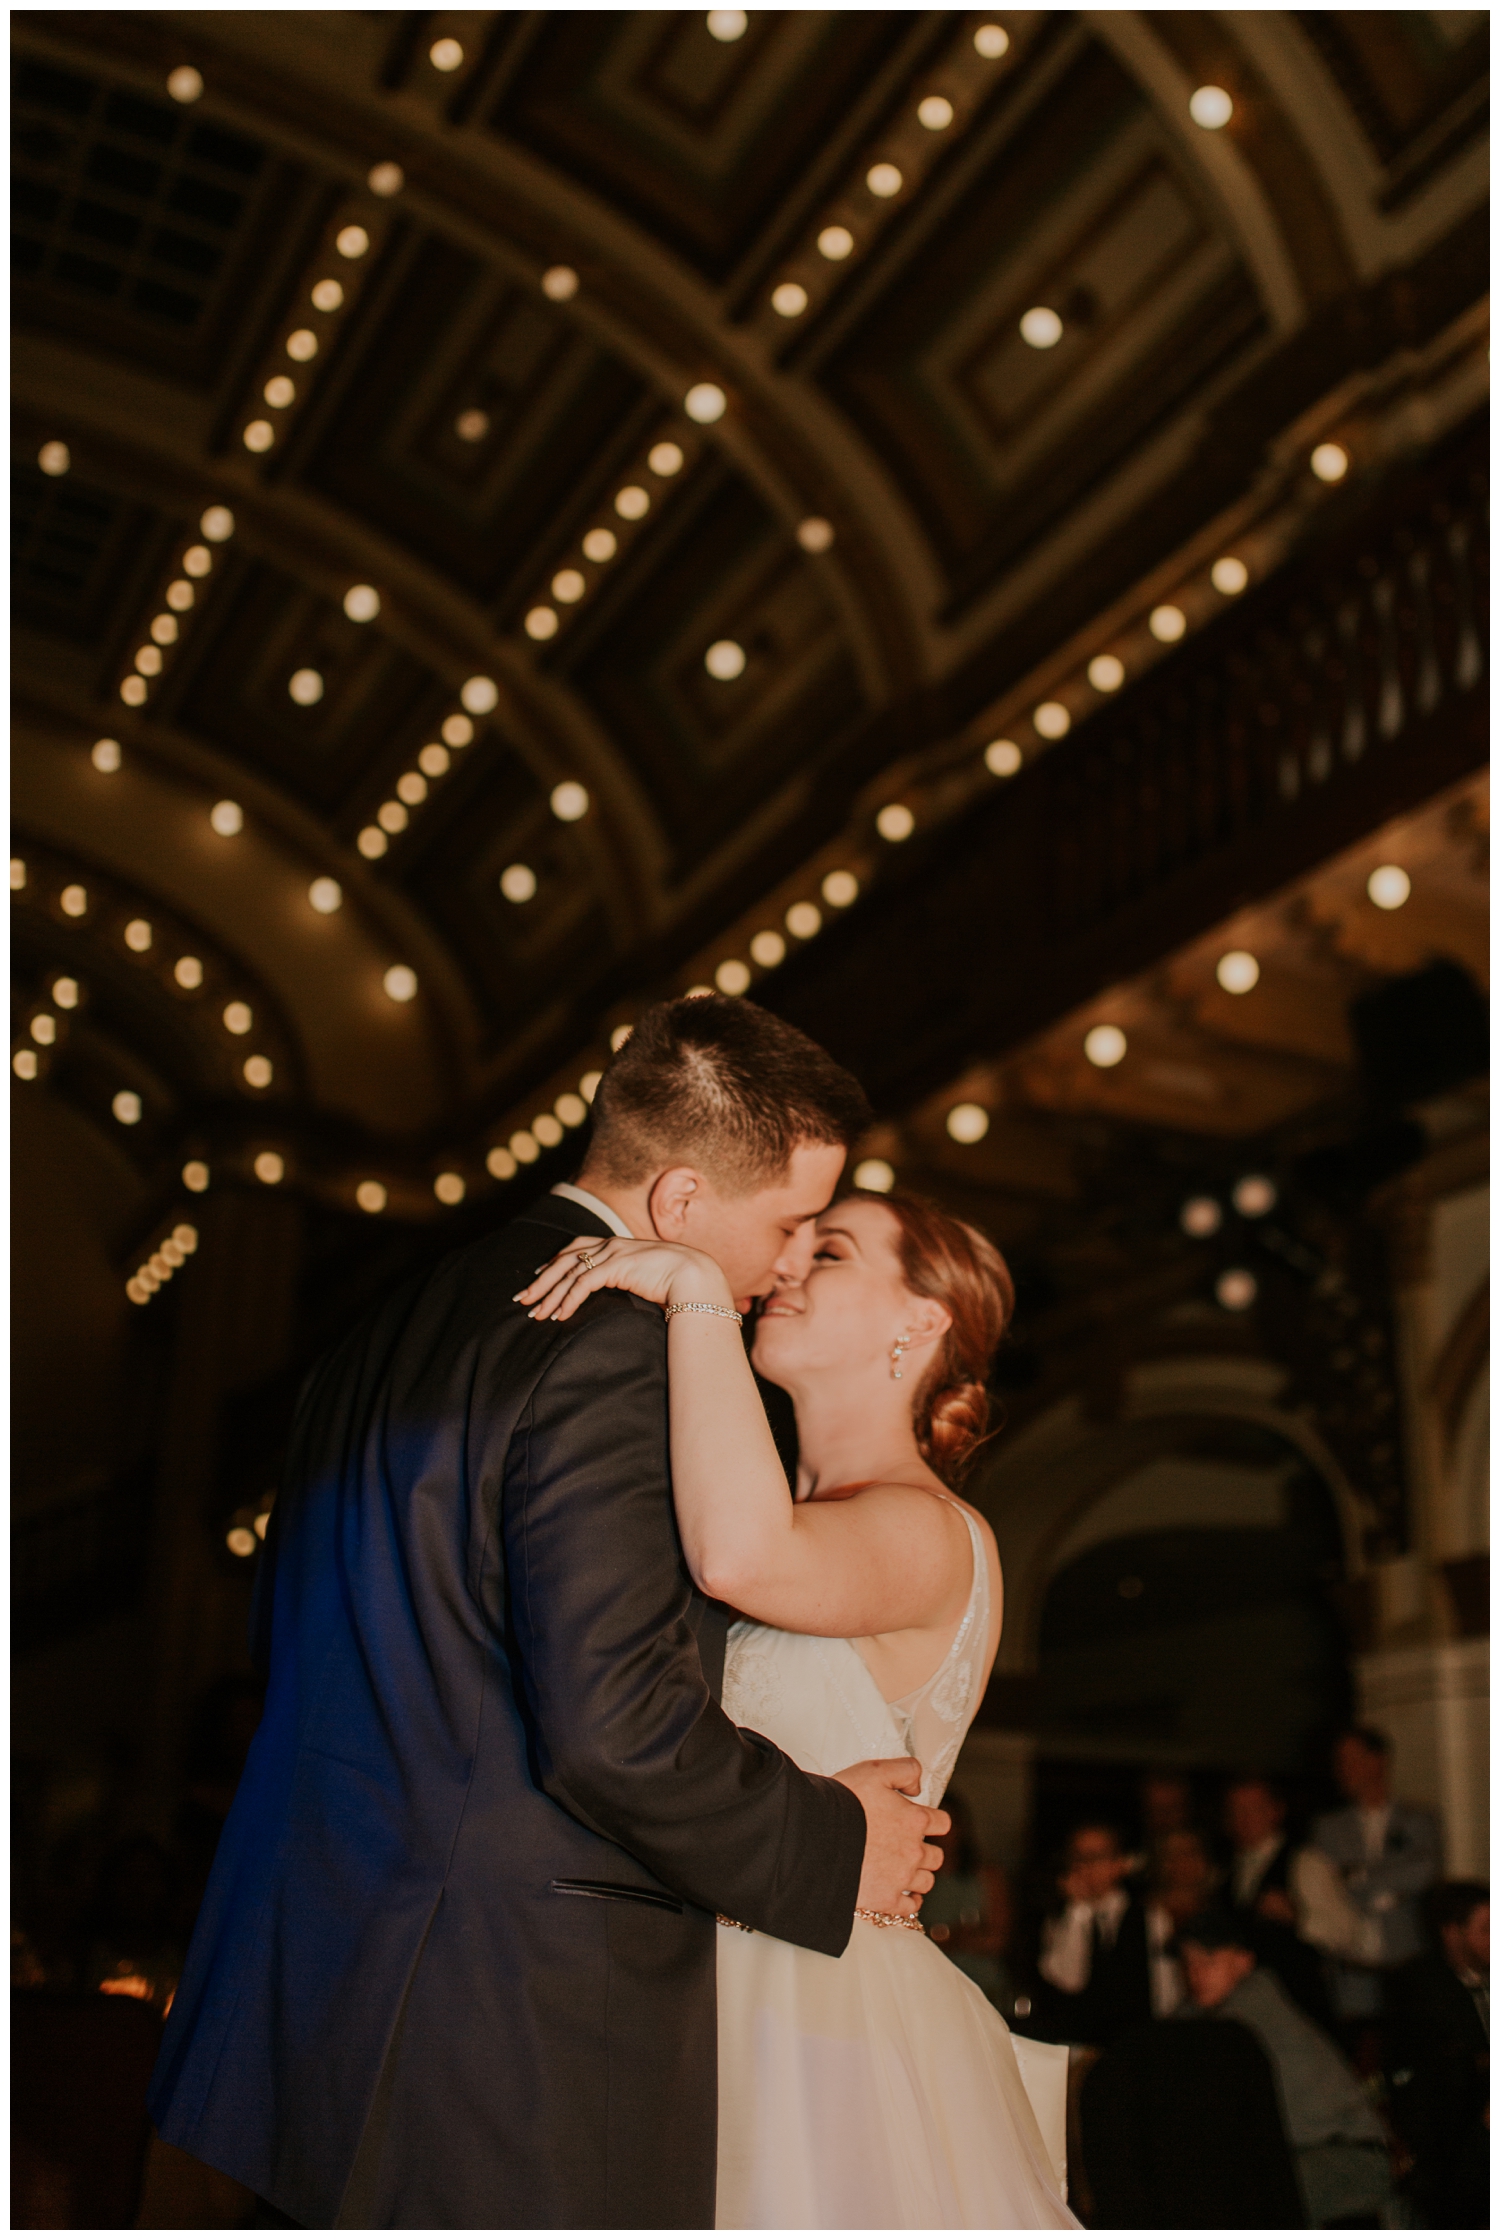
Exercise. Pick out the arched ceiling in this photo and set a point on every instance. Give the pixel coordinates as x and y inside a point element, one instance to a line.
<point>462,424</point>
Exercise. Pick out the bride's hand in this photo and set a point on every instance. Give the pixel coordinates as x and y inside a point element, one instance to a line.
<point>669,1274</point>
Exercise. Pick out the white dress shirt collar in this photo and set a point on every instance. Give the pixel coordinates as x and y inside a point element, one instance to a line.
<point>607,1214</point>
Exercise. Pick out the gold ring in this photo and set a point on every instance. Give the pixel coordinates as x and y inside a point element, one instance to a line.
<point>585,1260</point>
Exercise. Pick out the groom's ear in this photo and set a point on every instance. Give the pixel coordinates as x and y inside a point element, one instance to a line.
<point>670,1199</point>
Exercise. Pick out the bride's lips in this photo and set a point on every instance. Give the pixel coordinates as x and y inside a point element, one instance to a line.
<point>777,1307</point>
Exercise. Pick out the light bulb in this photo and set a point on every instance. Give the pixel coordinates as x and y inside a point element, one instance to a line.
<point>1002,757</point>
<point>1104,1046</point>
<point>875,1174</point>
<point>1211,108</point>
<point>968,1123</point>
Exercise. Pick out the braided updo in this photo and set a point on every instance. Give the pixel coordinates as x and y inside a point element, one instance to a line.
<point>946,1260</point>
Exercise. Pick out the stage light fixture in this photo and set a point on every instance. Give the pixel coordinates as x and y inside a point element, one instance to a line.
<point>400,983</point>
<point>104,754</point>
<point>895,822</point>
<point>326,896</point>
<point>1388,886</point>
<point>570,801</point>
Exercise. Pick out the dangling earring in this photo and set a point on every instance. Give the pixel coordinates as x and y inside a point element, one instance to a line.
<point>896,1352</point>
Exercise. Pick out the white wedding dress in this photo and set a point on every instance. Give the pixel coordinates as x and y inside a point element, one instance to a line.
<point>881,2089</point>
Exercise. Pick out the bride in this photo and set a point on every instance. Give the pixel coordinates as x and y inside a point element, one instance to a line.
<point>879,2089</point>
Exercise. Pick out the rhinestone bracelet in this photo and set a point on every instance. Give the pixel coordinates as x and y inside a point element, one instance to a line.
<point>701,1306</point>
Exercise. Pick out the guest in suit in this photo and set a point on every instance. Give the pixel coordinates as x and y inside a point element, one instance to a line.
<point>1337,2142</point>
<point>1105,1967</point>
<point>1441,2059</point>
<point>1387,1854</point>
<point>456,1962</point>
<point>1289,1901</point>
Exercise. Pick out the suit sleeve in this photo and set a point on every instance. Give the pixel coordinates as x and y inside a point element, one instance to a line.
<point>628,1736</point>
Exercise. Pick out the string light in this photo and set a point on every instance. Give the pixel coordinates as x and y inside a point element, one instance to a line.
<point>1201,1217</point>
<point>392,817</point>
<point>589,1085</point>
<point>732,977</point>
<point>1237,972</point>
<point>726,23</point>
<point>665,459</point>
<point>725,660</point>
<point>195,1176</point>
<point>560,283</point>
<point>571,1109</point>
<point>1388,886</point>
<point>126,1107</point>
<point>105,755</point>
<point>258,1072</point>
<point>238,1018</point>
<point>875,1174</point>
<point>1041,327</point>
<point>326,896</point>
<point>518,882</point>
<point>458,730</point>
<point>884,180</point>
<point>279,391</point>
<point>370,1197</point>
<point>991,40</point>
<point>65,993</point>
<point>1236,1289</point>
<point>386,179</point>
<point>74,901</point>
<point>632,503</point>
<point>269,1167</point>
<point>569,801</point>
<point>815,534</point>
<point>448,1189</point>
<point>197,562</point>
<point>301,345</point>
<point>1254,1195</point>
<point>24,1064</point>
<point>1106,672</point>
<point>789,299</point>
<point>217,524</point>
<point>835,243</point>
<point>44,1029</point>
<point>227,818</point>
<point>768,949</point>
<point>936,114</point>
<point>620,1036</point>
<point>1211,108</point>
<point>362,602</point>
<point>1002,757</point>
<point>352,242</point>
<point>305,687</point>
<point>895,822</point>
<point>1229,576</point>
<point>840,888</point>
<point>327,295</point>
<point>804,919</point>
<point>500,1163</point>
<point>705,402</point>
<point>188,972</point>
<point>400,983</point>
<point>1104,1046</point>
<point>600,545</point>
<point>411,786</point>
<point>968,1123</point>
<point>17,874</point>
<point>434,761</point>
<point>372,843</point>
<point>548,1130</point>
<point>54,458</point>
<point>568,586</point>
<point>1167,624</point>
<point>1330,462</point>
<point>259,436</point>
<point>1051,720</point>
<point>480,695</point>
<point>524,1147</point>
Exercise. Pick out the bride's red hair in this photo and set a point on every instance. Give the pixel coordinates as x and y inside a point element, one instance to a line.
<point>946,1260</point>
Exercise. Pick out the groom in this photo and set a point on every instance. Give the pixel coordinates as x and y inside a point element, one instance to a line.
<point>455,1964</point>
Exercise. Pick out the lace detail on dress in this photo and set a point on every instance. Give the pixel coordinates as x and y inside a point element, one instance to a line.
<point>751,1679</point>
<point>935,1717</point>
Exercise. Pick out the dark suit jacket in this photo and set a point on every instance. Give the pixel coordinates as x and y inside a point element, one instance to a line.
<point>455,1964</point>
<point>1278,1947</point>
<point>1181,2130</point>
<point>1116,1998</point>
<point>1441,2067</point>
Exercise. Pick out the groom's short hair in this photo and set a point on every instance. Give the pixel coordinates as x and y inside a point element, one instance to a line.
<point>718,1083</point>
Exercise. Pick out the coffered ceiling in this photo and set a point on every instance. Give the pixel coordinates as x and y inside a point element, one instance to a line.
<point>548,234</point>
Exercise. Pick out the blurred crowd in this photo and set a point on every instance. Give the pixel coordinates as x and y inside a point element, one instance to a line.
<point>1279,2019</point>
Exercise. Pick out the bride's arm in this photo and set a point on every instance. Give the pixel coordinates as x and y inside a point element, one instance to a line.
<point>886,1559</point>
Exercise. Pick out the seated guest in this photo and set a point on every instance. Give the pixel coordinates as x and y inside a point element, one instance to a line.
<point>1337,2142</point>
<point>1387,1854</point>
<point>1180,1875</point>
<point>1441,2064</point>
<point>1105,1966</point>
<point>1290,1900</point>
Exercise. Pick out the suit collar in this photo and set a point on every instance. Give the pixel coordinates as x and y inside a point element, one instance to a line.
<point>567,1216</point>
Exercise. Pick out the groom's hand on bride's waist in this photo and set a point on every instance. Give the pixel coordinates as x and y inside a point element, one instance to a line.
<point>901,1856</point>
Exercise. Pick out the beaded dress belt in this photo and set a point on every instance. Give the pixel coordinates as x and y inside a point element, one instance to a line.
<point>861,1913</point>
